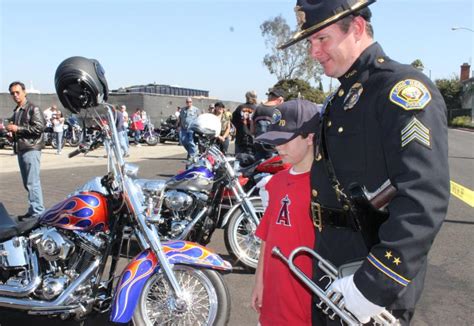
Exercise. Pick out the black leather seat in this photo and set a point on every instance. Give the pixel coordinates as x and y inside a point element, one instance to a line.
<point>10,228</point>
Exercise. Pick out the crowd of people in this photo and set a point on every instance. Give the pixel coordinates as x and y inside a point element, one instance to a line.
<point>386,121</point>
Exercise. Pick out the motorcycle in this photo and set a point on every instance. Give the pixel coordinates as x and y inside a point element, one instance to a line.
<point>168,130</point>
<point>206,196</point>
<point>57,266</point>
<point>72,132</point>
<point>148,134</point>
<point>6,138</point>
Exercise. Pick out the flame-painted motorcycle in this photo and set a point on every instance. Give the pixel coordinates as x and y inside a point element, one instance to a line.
<point>65,264</point>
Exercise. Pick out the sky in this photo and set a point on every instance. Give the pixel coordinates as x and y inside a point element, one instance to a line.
<point>205,44</point>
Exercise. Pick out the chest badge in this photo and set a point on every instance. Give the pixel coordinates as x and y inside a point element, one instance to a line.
<point>353,96</point>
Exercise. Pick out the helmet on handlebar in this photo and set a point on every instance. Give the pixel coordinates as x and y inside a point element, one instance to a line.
<point>207,125</point>
<point>80,83</point>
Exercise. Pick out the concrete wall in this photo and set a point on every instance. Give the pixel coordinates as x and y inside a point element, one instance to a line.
<point>157,106</point>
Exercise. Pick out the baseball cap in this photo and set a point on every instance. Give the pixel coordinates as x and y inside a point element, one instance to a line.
<point>278,92</point>
<point>314,15</point>
<point>290,119</point>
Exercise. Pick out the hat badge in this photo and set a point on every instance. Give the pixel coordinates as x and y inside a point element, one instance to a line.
<point>300,17</point>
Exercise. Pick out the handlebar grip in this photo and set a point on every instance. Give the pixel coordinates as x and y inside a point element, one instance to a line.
<point>83,148</point>
<point>75,152</point>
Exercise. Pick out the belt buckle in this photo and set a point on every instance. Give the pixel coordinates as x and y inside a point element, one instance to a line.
<point>316,215</point>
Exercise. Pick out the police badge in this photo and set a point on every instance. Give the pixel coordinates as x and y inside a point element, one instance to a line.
<point>353,96</point>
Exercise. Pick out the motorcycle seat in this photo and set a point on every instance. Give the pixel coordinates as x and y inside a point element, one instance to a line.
<point>9,228</point>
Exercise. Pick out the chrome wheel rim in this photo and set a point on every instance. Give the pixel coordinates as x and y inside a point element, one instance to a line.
<point>198,307</point>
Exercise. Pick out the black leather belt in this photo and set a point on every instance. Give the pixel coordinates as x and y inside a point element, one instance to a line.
<point>335,217</point>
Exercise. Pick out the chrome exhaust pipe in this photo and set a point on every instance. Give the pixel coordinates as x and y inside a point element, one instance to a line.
<point>24,290</point>
<point>60,304</point>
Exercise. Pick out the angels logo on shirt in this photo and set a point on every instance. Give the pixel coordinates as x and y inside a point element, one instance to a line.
<point>284,214</point>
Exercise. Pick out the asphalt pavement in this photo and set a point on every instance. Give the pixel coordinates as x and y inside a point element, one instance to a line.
<point>448,298</point>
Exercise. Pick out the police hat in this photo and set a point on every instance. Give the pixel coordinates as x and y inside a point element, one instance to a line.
<point>314,15</point>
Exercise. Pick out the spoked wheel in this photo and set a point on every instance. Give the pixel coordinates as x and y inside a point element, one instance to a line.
<point>240,239</point>
<point>206,299</point>
<point>152,140</point>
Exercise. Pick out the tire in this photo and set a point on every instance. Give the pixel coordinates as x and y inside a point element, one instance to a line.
<point>240,239</point>
<point>75,141</point>
<point>54,143</point>
<point>152,140</point>
<point>207,298</point>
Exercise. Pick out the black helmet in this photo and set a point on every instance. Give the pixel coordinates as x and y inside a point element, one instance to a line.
<point>80,83</point>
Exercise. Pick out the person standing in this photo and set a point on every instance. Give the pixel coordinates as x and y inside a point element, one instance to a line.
<point>27,129</point>
<point>278,296</point>
<point>57,121</point>
<point>262,118</point>
<point>123,109</point>
<point>242,120</point>
<point>137,126</point>
<point>224,137</point>
<point>122,132</point>
<point>385,123</point>
<point>187,115</point>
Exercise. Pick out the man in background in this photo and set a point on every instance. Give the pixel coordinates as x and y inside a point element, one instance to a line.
<point>242,121</point>
<point>187,115</point>
<point>27,129</point>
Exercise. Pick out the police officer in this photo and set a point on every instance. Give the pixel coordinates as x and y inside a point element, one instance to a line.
<point>386,122</point>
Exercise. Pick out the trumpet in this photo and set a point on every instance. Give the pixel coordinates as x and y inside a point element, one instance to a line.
<point>331,303</point>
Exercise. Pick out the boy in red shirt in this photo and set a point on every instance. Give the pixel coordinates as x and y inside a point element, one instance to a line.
<point>279,297</point>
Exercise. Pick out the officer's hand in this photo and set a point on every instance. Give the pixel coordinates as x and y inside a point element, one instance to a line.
<point>355,301</point>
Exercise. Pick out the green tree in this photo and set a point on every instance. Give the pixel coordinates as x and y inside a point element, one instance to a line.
<point>451,90</point>
<point>298,88</point>
<point>293,62</point>
<point>417,64</point>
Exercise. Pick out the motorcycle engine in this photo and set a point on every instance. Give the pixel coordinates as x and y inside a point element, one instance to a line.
<point>51,244</point>
<point>177,201</point>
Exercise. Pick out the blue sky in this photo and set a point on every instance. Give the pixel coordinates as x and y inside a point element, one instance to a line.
<point>205,44</point>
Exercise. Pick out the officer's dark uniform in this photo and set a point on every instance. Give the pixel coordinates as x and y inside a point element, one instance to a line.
<point>386,121</point>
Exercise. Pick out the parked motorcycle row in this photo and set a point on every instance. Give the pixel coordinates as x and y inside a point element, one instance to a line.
<point>66,263</point>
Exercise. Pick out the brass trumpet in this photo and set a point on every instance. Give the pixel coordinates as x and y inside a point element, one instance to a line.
<point>332,303</point>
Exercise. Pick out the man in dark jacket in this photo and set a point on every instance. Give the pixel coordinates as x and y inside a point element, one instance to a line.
<point>27,128</point>
<point>385,123</point>
<point>242,120</point>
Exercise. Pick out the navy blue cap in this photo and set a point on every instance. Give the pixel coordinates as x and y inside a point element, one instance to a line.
<point>314,15</point>
<point>290,119</point>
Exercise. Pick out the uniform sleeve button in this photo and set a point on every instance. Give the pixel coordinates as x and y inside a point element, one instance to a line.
<point>340,130</point>
<point>329,124</point>
<point>314,193</point>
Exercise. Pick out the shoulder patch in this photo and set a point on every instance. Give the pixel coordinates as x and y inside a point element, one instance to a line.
<point>416,131</point>
<point>410,94</point>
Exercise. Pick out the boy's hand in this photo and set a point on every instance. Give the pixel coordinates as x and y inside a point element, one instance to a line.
<point>257,295</point>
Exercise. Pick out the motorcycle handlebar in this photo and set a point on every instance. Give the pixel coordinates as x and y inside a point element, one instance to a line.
<point>81,149</point>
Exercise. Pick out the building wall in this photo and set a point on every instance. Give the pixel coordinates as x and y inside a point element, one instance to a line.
<point>157,106</point>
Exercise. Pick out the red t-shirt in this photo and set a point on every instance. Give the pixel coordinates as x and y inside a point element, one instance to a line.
<point>287,224</point>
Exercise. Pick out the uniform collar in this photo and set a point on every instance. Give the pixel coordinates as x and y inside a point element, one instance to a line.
<point>370,57</point>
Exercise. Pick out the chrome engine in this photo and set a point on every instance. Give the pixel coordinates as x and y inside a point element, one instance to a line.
<point>50,268</point>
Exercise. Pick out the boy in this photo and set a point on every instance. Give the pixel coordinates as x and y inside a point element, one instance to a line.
<point>279,297</point>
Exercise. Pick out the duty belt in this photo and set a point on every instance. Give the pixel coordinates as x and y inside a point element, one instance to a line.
<point>335,217</point>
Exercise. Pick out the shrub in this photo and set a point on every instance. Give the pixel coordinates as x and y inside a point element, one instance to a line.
<point>463,121</point>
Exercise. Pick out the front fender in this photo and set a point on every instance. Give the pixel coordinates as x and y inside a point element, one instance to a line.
<point>145,264</point>
<point>256,201</point>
